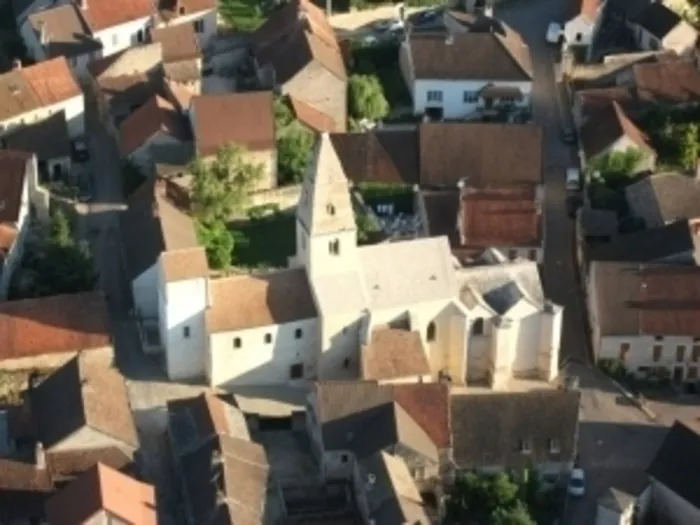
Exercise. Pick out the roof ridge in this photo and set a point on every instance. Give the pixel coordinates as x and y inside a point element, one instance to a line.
<point>501,39</point>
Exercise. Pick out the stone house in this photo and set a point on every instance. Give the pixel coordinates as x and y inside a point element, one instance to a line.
<point>447,81</point>
<point>153,127</point>
<point>527,429</point>
<point>671,474</point>
<point>243,119</point>
<point>611,131</point>
<point>643,317</point>
<point>91,498</point>
<point>21,197</point>
<point>85,30</point>
<point>33,93</point>
<point>47,332</point>
<point>72,414</point>
<point>296,53</point>
<point>657,27</point>
<point>351,421</point>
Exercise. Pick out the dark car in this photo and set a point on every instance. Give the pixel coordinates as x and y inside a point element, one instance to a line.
<point>568,136</point>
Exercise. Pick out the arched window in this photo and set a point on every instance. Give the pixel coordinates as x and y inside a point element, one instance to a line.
<point>430,335</point>
<point>478,326</point>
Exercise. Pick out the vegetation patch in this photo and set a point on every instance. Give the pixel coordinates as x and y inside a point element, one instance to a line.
<point>265,242</point>
<point>381,61</point>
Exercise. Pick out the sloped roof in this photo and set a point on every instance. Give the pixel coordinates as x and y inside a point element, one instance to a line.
<point>664,197</point>
<point>606,126</point>
<point>155,116</point>
<point>393,353</point>
<point>66,31</point>
<point>48,138</point>
<point>13,169</point>
<point>83,393</point>
<point>103,15</point>
<point>313,118</point>
<point>658,19</point>
<point>103,488</point>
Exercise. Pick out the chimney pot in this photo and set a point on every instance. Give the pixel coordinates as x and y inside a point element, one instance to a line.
<point>39,456</point>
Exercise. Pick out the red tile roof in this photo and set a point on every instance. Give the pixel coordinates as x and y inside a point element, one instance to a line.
<point>101,14</point>
<point>13,166</point>
<point>589,8</point>
<point>311,117</point>
<point>52,81</point>
<point>500,217</point>
<point>49,325</point>
<point>428,405</point>
<point>103,488</point>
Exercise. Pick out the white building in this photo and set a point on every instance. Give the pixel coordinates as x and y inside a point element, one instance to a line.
<point>20,194</point>
<point>88,29</point>
<point>580,32</point>
<point>36,92</point>
<point>447,79</point>
<point>643,316</point>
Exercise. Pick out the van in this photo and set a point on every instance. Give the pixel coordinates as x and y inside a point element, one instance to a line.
<point>573,179</point>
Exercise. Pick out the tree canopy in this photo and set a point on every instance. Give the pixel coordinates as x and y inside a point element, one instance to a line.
<point>221,186</point>
<point>293,148</point>
<point>218,243</point>
<point>367,100</point>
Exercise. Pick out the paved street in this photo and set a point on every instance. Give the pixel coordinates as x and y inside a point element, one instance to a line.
<point>616,440</point>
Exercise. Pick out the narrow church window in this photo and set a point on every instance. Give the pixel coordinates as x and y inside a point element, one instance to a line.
<point>334,247</point>
<point>186,332</point>
<point>298,333</point>
<point>236,342</point>
<point>430,336</point>
<point>296,371</point>
<point>268,338</point>
<point>331,209</point>
<point>478,327</point>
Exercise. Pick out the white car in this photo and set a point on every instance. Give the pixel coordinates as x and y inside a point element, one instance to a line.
<point>554,33</point>
<point>573,179</point>
<point>577,483</point>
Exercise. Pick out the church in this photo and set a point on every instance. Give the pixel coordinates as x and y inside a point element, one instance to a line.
<point>394,312</point>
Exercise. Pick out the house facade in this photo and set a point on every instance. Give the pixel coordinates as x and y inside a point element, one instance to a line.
<point>658,343</point>
<point>41,90</point>
<point>580,31</point>
<point>445,86</point>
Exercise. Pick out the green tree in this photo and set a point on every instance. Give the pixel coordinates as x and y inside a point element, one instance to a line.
<point>59,230</point>
<point>218,243</point>
<point>293,148</point>
<point>367,100</point>
<point>221,186</point>
<point>241,15</point>
<point>283,113</point>
<point>515,515</point>
<point>616,169</point>
<point>689,147</point>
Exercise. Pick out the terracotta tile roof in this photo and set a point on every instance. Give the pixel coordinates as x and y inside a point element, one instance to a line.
<point>647,299</point>
<point>599,99</point>
<point>502,56</point>
<point>153,224</point>
<point>181,265</point>
<point>589,8</point>
<point>81,394</point>
<point>128,90</point>
<point>104,15</point>
<point>103,489</point>
<point>290,17</point>
<point>500,217</point>
<point>605,127</point>
<point>394,353</point>
<point>13,168</point>
<point>8,236</point>
<point>428,405</point>
<point>66,31</point>
<point>385,156</point>
<point>668,82</point>
<point>288,56</point>
<point>260,300</point>
<point>16,96</point>
<point>311,117</point>
<point>178,42</point>
<point>245,119</point>
<point>155,116</point>
<point>50,325</point>
<point>487,155</point>
<point>52,81</point>
<point>66,465</point>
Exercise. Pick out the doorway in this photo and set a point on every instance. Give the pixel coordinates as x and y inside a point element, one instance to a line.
<point>677,375</point>
<point>434,114</point>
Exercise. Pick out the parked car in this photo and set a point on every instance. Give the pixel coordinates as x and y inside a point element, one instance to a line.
<point>80,151</point>
<point>568,136</point>
<point>573,204</point>
<point>555,33</point>
<point>573,179</point>
<point>577,483</point>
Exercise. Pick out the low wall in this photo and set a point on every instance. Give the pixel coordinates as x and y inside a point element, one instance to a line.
<point>284,197</point>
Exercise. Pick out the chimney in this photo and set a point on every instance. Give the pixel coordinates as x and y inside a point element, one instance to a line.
<point>488,10</point>
<point>16,64</point>
<point>39,456</point>
<point>42,33</point>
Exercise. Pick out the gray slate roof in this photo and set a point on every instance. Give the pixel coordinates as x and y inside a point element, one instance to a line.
<point>487,428</point>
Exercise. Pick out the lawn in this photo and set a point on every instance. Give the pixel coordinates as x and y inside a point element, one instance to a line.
<point>265,242</point>
<point>382,60</point>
